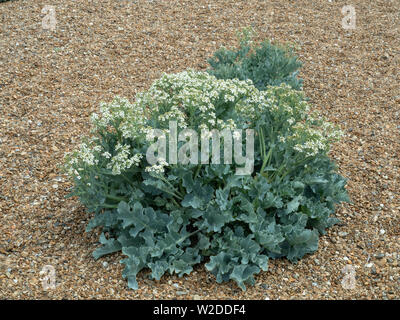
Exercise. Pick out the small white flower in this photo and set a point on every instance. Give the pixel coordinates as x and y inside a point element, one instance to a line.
<point>106,155</point>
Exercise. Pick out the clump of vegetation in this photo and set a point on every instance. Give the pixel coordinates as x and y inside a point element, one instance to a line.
<point>170,216</point>
<point>263,63</point>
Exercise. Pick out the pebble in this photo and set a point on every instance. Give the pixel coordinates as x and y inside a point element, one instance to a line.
<point>105,264</point>
<point>181,293</point>
<point>380,255</point>
<point>381,262</point>
<point>196,297</point>
<point>343,234</point>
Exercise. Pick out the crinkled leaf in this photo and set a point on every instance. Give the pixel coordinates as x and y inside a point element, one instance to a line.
<point>108,246</point>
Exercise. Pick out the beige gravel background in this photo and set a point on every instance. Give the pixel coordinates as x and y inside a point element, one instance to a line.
<point>50,82</point>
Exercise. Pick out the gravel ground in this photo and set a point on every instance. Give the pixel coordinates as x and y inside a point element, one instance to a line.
<point>51,81</point>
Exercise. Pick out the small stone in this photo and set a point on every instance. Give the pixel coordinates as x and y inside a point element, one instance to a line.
<point>380,255</point>
<point>181,293</point>
<point>196,297</point>
<point>176,285</point>
<point>55,186</point>
<point>264,286</point>
<point>381,262</point>
<point>343,234</point>
<point>369,265</point>
<point>105,264</point>
<point>382,231</point>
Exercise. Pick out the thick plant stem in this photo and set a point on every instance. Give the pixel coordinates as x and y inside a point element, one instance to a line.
<point>197,171</point>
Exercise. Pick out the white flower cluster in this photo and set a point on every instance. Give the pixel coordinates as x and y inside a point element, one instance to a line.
<point>84,156</point>
<point>122,160</point>
<point>192,98</point>
<point>309,135</point>
<point>110,112</point>
<point>311,140</point>
<point>157,168</point>
<point>310,148</point>
<point>87,156</point>
<point>126,118</point>
<point>177,114</point>
<point>285,100</point>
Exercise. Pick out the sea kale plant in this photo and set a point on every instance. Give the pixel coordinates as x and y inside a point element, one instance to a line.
<point>264,63</point>
<point>169,217</point>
